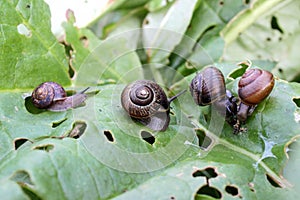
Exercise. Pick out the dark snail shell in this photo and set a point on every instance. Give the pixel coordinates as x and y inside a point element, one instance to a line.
<point>255,85</point>
<point>53,97</point>
<point>146,102</point>
<point>208,86</point>
<point>47,92</point>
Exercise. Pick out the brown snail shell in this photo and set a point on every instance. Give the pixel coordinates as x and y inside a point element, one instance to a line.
<point>255,85</point>
<point>53,97</point>
<point>208,86</point>
<point>146,102</point>
<point>47,92</point>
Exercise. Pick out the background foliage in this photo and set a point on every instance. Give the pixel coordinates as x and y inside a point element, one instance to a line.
<point>96,152</point>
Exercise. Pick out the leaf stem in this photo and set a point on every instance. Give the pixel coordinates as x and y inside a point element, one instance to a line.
<point>216,140</point>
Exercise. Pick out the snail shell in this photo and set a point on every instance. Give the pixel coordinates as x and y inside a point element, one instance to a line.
<point>255,85</point>
<point>53,97</point>
<point>146,102</point>
<point>208,86</point>
<point>47,92</point>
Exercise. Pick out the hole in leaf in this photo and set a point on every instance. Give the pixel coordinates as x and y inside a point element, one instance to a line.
<point>232,190</point>
<point>85,41</point>
<point>297,101</point>
<point>28,6</point>
<point>210,191</point>
<point>251,186</point>
<point>71,71</point>
<point>56,124</point>
<point>172,113</point>
<point>22,177</point>
<point>30,193</point>
<point>45,147</point>
<point>19,142</point>
<point>247,1</point>
<point>77,130</point>
<point>268,39</point>
<point>275,25</point>
<point>148,137</point>
<point>31,108</point>
<point>109,136</point>
<point>146,22</point>
<point>239,72</point>
<point>272,181</point>
<point>221,3</point>
<point>70,92</point>
<point>204,140</point>
<point>207,172</point>
<point>68,52</point>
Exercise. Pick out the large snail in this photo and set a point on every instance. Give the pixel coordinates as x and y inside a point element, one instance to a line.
<point>53,97</point>
<point>208,87</point>
<point>146,102</point>
<point>254,86</point>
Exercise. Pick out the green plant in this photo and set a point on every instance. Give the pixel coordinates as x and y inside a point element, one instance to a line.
<point>97,152</point>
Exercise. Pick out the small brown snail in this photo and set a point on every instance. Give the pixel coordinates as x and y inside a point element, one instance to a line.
<point>254,86</point>
<point>146,102</point>
<point>208,87</point>
<point>53,97</point>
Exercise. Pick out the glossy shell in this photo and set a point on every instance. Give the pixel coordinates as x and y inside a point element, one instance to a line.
<point>143,98</point>
<point>47,92</point>
<point>146,102</point>
<point>255,85</point>
<point>208,86</point>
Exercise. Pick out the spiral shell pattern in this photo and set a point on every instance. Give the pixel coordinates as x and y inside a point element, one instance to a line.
<point>143,99</point>
<point>208,86</point>
<point>255,85</point>
<point>47,92</point>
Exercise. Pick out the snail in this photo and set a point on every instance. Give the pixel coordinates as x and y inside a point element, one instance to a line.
<point>146,102</point>
<point>254,86</point>
<point>208,87</point>
<point>53,97</point>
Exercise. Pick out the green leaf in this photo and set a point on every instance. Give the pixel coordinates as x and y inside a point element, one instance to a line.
<point>96,151</point>
<point>245,18</point>
<point>30,53</point>
<point>81,41</point>
<point>155,5</point>
<point>113,61</point>
<point>68,162</point>
<point>182,182</point>
<point>164,29</point>
<point>266,34</point>
<point>207,18</point>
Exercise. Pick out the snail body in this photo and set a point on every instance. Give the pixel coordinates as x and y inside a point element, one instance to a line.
<point>146,102</point>
<point>53,97</point>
